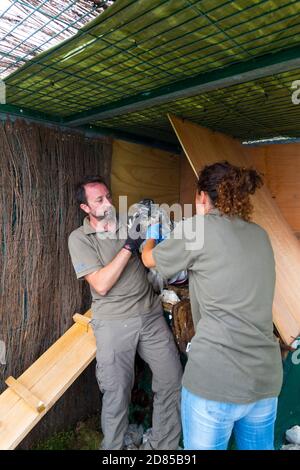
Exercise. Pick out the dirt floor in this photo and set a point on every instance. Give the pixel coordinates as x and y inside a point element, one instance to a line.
<point>86,436</point>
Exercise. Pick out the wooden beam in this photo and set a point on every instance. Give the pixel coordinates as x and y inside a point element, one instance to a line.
<point>82,320</point>
<point>202,147</point>
<point>26,394</point>
<point>48,378</point>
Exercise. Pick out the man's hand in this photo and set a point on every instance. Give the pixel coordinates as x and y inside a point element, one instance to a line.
<point>135,238</point>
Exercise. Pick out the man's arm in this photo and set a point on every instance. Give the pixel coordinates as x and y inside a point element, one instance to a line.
<point>105,278</point>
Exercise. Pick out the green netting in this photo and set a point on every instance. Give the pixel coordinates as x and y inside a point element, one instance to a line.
<point>251,110</point>
<point>137,46</point>
<point>145,44</point>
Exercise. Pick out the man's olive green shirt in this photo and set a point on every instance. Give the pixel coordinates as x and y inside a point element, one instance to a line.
<point>132,294</point>
<point>234,355</point>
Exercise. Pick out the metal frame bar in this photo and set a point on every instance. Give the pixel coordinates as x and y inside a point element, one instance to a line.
<point>14,112</point>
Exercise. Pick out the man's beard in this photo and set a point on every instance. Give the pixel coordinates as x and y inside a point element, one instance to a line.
<point>100,218</point>
<point>108,215</point>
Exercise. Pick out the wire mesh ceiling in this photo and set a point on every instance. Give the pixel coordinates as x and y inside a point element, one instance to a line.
<point>138,46</point>
<point>245,111</point>
<point>28,27</point>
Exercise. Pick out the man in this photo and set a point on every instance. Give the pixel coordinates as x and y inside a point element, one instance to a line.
<point>127,317</point>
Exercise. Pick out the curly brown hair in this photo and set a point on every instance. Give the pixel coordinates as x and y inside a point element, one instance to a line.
<point>229,188</point>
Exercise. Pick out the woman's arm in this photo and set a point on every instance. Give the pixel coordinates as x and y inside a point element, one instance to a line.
<point>147,256</point>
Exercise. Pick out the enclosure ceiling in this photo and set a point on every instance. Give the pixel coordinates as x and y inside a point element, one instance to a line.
<point>228,65</point>
<point>28,27</point>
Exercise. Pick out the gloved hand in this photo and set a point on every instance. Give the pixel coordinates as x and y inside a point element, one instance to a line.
<point>135,238</point>
<point>155,232</point>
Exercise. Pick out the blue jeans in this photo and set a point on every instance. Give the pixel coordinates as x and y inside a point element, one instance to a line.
<point>207,425</point>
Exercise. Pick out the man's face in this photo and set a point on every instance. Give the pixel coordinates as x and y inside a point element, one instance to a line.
<point>99,200</point>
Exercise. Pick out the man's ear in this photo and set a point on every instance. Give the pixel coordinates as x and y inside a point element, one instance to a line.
<point>85,208</point>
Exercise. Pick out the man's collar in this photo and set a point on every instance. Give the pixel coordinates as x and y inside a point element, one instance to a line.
<point>87,228</point>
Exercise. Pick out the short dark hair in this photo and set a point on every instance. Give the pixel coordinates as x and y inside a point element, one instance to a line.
<point>80,187</point>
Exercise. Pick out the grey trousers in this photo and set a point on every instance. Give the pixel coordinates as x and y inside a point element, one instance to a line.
<point>117,343</point>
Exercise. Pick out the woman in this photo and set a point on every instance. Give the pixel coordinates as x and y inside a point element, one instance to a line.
<point>234,372</point>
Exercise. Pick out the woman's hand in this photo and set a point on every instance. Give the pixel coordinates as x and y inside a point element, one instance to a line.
<point>155,232</point>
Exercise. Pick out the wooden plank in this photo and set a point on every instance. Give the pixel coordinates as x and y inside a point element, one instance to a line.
<point>19,421</point>
<point>48,378</point>
<point>48,359</point>
<point>42,365</point>
<point>203,146</point>
<point>82,320</point>
<point>25,394</point>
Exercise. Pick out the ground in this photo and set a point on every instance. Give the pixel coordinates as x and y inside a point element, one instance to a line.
<point>86,436</point>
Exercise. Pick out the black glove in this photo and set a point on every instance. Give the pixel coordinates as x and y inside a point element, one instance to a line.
<point>134,239</point>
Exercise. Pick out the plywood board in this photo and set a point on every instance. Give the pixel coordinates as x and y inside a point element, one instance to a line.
<point>142,172</point>
<point>203,146</point>
<point>281,165</point>
<point>188,184</point>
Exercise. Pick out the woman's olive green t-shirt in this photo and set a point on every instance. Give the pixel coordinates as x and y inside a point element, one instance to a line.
<point>234,356</point>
